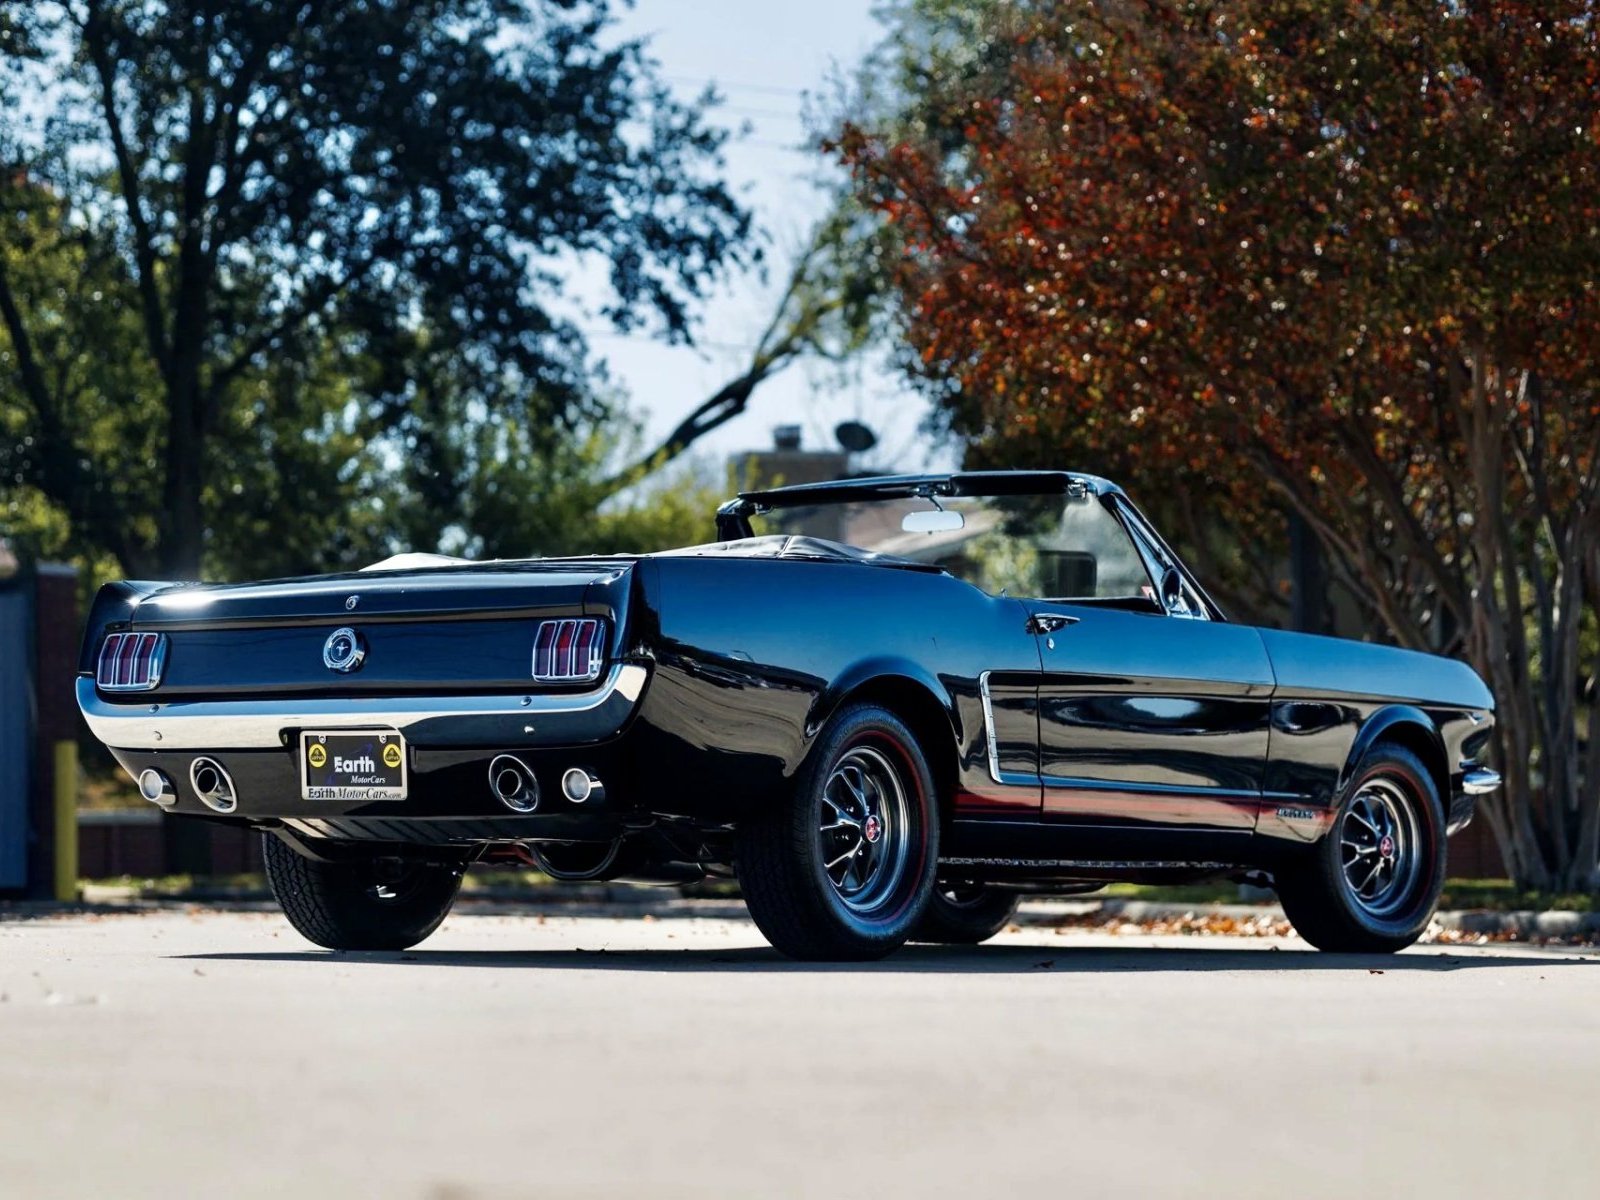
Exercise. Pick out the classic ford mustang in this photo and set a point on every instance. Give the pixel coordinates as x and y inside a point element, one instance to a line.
<point>1016,687</point>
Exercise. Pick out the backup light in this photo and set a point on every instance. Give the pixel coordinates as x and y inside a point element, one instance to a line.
<point>130,662</point>
<point>571,650</point>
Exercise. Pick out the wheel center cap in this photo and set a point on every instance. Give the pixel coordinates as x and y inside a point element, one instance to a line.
<point>1386,846</point>
<point>872,828</point>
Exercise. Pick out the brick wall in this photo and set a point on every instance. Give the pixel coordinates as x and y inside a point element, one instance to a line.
<point>1474,855</point>
<point>133,843</point>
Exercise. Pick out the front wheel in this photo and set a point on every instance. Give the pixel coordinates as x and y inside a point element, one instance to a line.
<point>1372,883</point>
<point>965,916</point>
<point>376,903</point>
<point>843,867</point>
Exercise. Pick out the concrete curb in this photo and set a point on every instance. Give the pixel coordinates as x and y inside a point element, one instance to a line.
<point>1522,924</point>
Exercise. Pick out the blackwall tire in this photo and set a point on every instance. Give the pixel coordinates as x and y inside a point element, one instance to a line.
<point>965,916</point>
<point>843,867</point>
<point>374,904</point>
<point>1372,884</point>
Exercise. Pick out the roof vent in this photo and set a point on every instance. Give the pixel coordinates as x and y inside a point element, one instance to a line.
<point>786,437</point>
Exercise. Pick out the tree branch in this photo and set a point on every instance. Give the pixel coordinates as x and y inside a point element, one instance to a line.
<point>1359,443</point>
<point>235,164</point>
<point>94,35</point>
<point>28,370</point>
<point>314,302</point>
<point>779,344</point>
<point>59,473</point>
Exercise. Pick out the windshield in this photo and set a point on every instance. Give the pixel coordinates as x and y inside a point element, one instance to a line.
<point>1055,547</point>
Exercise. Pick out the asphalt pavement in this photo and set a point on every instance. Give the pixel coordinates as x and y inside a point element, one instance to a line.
<point>200,1053</point>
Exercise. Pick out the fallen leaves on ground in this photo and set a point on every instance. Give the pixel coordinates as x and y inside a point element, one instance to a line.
<point>1270,924</point>
<point>1198,923</point>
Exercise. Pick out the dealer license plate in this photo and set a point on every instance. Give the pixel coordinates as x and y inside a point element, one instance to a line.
<point>368,764</point>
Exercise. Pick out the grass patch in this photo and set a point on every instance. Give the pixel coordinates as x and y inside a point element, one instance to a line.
<point>177,886</point>
<point>1501,895</point>
<point>1221,892</point>
<point>110,791</point>
<point>504,879</point>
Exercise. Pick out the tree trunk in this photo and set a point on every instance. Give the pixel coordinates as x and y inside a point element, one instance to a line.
<point>182,527</point>
<point>1308,580</point>
<point>1530,555</point>
<point>182,524</point>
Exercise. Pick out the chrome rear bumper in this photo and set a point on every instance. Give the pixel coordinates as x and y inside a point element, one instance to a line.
<point>498,720</point>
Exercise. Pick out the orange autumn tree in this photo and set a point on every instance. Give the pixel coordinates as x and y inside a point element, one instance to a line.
<point>1316,256</point>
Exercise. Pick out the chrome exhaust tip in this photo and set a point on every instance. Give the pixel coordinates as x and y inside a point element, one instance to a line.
<point>579,786</point>
<point>513,783</point>
<point>157,788</point>
<point>213,784</point>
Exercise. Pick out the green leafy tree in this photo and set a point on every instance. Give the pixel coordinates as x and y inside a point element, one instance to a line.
<point>245,249</point>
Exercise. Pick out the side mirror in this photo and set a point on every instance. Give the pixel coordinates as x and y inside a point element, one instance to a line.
<point>1172,598</point>
<point>932,520</point>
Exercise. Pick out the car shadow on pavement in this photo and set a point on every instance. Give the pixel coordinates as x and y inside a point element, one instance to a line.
<point>958,960</point>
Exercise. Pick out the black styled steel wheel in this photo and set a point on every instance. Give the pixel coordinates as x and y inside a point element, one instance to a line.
<point>863,836</point>
<point>965,915</point>
<point>1373,881</point>
<point>842,869</point>
<point>377,903</point>
<point>1380,847</point>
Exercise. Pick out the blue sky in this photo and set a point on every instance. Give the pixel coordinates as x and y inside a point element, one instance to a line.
<point>764,57</point>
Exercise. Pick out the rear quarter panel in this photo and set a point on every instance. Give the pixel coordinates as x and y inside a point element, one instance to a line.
<point>751,656</point>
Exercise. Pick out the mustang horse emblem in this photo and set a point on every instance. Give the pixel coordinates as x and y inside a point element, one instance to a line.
<point>343,651</point>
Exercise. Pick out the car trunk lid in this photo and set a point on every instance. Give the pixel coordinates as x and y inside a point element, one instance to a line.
<point>455,628</point>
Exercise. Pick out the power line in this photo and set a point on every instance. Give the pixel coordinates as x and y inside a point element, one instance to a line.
<point>742,110</point>
<point>765,89</point>
<point>697,344</point>
<point>769,144</point>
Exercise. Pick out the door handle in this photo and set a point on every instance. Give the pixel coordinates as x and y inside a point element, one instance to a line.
<point>1049,622</point>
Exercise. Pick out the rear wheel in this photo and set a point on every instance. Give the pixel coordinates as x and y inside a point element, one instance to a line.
<point>965,916</point>
<point>1373,882</point>
<point>377,903</point>
<point>843,867</point>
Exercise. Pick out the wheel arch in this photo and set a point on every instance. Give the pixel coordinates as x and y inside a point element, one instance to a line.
<point>1409,728</point>
<point>918,699</point>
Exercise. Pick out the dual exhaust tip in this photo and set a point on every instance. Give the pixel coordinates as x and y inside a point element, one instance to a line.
<point>511,780</point>
<point>209,779</point>
<point>213,784</point>
<point>157,788</point>
<point>514,784</point>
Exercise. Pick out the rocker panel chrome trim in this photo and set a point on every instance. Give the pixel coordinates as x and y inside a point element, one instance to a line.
<point>1085,864</point>
<point>259,724</point>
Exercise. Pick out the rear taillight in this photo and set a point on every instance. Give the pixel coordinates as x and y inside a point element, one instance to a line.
<point>569,651</point>
<point>130,662</point>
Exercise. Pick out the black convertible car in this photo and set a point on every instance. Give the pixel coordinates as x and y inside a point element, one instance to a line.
<point>1021,689</point>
